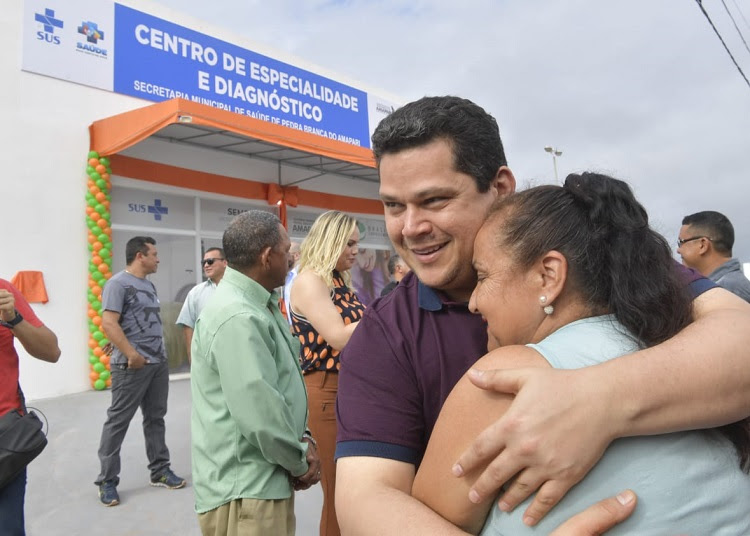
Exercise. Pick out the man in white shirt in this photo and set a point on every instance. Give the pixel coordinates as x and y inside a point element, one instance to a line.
<point>294,253</point>
<point>214,265</point>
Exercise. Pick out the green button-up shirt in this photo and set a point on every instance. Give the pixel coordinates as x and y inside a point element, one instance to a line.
<point>249,399</point>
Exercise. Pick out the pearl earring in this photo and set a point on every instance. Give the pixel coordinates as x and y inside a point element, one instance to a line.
<point>548,309</point>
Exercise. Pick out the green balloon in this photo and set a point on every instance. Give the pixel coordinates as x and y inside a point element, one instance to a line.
<point>102,237</point>
<point>101,183</point>
<point>104,375</point>
<point>104,254</point>
<point>93,154</point>
<point>99,208</point>
<point>104,342</point>
<point>90,170</point>
<point>98,335</point>
<point>97,306</point>
<point>95,176</point>
<point>106,216</point>
<point>100,384</point>
<point>93,359</point>
<point>104,161</point>
<point>99,367</point>
<point>91,202</point>
<point>91,247</point>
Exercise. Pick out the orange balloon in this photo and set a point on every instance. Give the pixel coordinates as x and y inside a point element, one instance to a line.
<point>97,246</point>
<point>89,210</point>
<point>90,183</point>
<point>91,314</point>
<point>106,203</point>
<point>98,352</point>
<point>101,196</point>
<point>94,189</point>
<point>97,290</point>
<point>105,360</point>
<point>108,231</point>
<point>95,216</point>
<point>93,343</point>
<point>93,375</point>
<point>93,162</point>
<point>102,223</point>
<point>105,176</point>
<point>97,320</point>
<point>92,238</point>
<point>96,259</point>
<point>100,169</point>
<point>109,382</point>
<point>103,268</point>
<point>92,283</point>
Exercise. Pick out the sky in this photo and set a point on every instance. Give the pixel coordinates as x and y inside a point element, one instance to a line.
<point>642,90</point>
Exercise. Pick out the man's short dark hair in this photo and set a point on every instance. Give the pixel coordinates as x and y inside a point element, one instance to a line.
<point>715,226</point>
<point>221,252</point>
<point>393,261</point>
<point>135,245</point>
<point>248,235</point>
<point>472,133</point>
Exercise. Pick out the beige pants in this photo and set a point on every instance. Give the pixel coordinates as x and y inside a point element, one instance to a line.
<point>250,517</point>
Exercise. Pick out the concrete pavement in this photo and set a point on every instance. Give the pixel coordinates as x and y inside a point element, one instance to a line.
<point>61,499</point>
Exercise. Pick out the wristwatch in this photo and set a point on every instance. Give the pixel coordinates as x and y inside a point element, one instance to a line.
<point>308,435</point>
<point>13,323</point>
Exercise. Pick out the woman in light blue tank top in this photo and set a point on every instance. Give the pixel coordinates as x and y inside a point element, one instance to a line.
<point>570,277</point>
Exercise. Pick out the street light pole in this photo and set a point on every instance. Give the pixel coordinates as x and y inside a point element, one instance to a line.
<point>555,153</point>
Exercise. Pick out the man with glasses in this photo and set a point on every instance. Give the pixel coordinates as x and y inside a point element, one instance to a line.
<point>705,244</point>
<point>214,265</point>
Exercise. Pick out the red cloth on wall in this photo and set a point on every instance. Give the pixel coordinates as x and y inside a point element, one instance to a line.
<point>31,285</point>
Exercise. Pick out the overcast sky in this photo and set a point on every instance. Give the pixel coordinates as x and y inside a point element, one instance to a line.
<point>642,90</point>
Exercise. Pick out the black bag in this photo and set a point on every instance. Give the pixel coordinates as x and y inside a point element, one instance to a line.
<point>21,440</point>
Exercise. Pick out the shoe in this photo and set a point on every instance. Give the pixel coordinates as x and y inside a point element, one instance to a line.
<point>108,493</point>
<point>168,480</point>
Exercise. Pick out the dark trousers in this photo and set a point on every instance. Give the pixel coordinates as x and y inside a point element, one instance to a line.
<point>11,506</point>
<point>321,402</point>
<point>147,388</point>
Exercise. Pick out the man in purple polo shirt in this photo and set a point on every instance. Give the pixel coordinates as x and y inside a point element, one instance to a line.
<point>442,164</point>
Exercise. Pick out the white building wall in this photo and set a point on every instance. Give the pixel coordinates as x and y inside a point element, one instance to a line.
<point>44,141</point>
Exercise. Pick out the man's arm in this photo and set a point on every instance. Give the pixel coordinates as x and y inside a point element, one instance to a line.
<point>111,325</point>
<point>188,333</point>
<point>243,352</point>
<point>373,497</point>
<point>38,340</point>
<point>561,422</point>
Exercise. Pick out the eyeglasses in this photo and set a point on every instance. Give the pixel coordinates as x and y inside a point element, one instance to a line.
<point>681,241</point>
<point>210,262</point>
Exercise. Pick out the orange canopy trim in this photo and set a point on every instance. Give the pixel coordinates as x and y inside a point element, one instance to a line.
<point>112,135</point>
<point>136,168</point>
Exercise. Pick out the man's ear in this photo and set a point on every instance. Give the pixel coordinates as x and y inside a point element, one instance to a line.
<point>553,268</point>
<point>503,183</point>
<point>265,257</point>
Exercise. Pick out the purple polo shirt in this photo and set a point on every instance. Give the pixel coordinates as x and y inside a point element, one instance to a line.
<point>408,352</point>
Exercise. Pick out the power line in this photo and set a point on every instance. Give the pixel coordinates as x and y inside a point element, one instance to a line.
<point>700,4</point>
<point>735,25</point>
<point>741,14</point>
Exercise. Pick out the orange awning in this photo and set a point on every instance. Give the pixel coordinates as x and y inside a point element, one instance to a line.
<point>114,134</point>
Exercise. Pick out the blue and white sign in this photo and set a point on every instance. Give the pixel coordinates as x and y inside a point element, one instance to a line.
<point>115,47</point>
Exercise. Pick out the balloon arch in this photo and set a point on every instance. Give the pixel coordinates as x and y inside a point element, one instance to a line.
<point>98,198</point>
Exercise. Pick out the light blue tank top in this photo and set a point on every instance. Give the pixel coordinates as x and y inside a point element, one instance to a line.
<point>687,482</point>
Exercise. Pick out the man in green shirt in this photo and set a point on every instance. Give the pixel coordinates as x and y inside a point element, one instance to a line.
<point>249,438</point>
